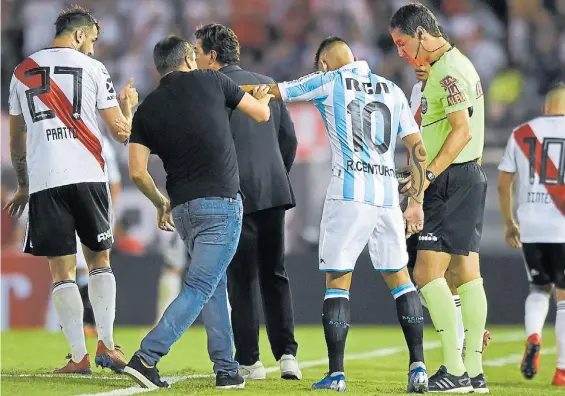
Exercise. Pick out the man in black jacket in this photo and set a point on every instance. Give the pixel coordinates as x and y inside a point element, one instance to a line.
<point>265,153</point>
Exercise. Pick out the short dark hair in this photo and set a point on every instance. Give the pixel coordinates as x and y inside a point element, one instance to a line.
<point>409,17</point>
<point>222,40</point>
<point>170,52</point>
<point>328,42</point>
<point>74,18</point>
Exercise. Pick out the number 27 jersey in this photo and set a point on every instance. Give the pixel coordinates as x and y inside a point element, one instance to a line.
<point>363,114</point>
<point>58,91</point>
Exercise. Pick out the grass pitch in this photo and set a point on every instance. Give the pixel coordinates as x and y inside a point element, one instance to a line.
<point>376,364</point>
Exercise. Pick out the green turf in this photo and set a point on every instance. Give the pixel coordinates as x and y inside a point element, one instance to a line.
<point>38,352</point>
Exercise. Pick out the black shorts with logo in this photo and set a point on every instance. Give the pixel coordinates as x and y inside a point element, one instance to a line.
<point>545,263</point>
<point>57,214</point>
<point>453,210</point>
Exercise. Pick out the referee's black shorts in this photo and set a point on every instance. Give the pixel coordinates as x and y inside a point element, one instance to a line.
<point>453,211</point>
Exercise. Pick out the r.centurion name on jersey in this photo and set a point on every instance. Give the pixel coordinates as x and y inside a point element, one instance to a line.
<point>536,151</point>
<point>58,91</point>
<point>363,114</point>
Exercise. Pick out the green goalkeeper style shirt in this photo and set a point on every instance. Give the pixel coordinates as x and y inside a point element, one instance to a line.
<point>453,85</point>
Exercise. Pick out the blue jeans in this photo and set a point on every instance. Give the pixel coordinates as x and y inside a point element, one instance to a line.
<point>210,229</point>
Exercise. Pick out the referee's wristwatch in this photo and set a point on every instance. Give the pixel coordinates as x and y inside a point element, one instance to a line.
<point>430,176</point>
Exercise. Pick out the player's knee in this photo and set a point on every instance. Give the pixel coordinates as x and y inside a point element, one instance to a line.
<point>62,268</point>
<point>396,279</point>
<point>97,259</point>
<point>338,280</point>
<point>421,276</point>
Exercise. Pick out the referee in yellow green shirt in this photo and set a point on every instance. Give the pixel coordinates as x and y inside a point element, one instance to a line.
<point>453,129</point>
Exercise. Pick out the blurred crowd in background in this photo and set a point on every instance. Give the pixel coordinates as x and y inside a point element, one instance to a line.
<point>517,46</point>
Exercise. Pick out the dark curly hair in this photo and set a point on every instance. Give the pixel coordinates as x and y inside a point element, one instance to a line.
<point>409,17</point>
<point>220,39</point>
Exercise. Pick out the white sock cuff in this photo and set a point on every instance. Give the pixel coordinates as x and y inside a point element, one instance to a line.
<point>402,290</point>
<point>457,300</point>
<point>560,306</point>
<point>101,271</point>
<point>60,285</point>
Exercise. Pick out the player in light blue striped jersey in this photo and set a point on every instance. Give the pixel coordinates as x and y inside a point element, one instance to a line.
<point>364,114</point>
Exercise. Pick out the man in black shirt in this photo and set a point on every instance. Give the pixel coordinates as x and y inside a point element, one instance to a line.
<point>265,153</point>
<point>184,121</point>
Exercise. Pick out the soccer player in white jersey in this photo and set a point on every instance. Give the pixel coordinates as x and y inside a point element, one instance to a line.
<point>56,150</point>
<point>535,156</point>
<point>364,114</point>
<point>114,182</point>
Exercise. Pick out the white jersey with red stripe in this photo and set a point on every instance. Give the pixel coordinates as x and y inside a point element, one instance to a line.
<point>58,91</point>
<point>536,152</point>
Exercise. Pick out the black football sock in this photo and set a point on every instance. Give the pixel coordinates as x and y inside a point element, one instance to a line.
<point>336,319</point>
<point>411,318</point>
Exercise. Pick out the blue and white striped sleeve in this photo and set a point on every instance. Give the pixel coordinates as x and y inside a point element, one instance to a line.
<point>407,125</point>
<point>315,86</point>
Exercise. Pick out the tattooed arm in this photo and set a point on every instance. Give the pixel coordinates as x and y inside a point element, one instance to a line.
<point>418,153</point>
<point>18,149</point>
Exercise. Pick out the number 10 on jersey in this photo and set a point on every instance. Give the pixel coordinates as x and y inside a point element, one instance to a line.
<point>362,125</point>
<point>545,161</point>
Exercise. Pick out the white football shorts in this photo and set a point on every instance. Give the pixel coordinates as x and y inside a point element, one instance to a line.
<point>348,226</point>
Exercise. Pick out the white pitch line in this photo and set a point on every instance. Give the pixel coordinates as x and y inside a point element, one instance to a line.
<point>66,376</point>
<point>514,358</point>
<point>381,352</point>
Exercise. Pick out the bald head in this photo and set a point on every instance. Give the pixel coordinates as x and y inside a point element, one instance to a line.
<point>555,101</point>
<point>332,54</point>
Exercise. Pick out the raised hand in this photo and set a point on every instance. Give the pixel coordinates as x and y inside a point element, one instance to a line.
<point>128,95</point>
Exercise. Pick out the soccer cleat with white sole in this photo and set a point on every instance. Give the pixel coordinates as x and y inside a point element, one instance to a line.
<point>289,368</point>
<point>418,379</point>
<point>479,384</point>
<point>444,382</point>
<point>334,381</point>
<point>254,372</point>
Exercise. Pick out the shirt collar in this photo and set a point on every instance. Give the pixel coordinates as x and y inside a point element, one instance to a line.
<point>230,68</point>
<point>358,67</point>
<point>166,79</point>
